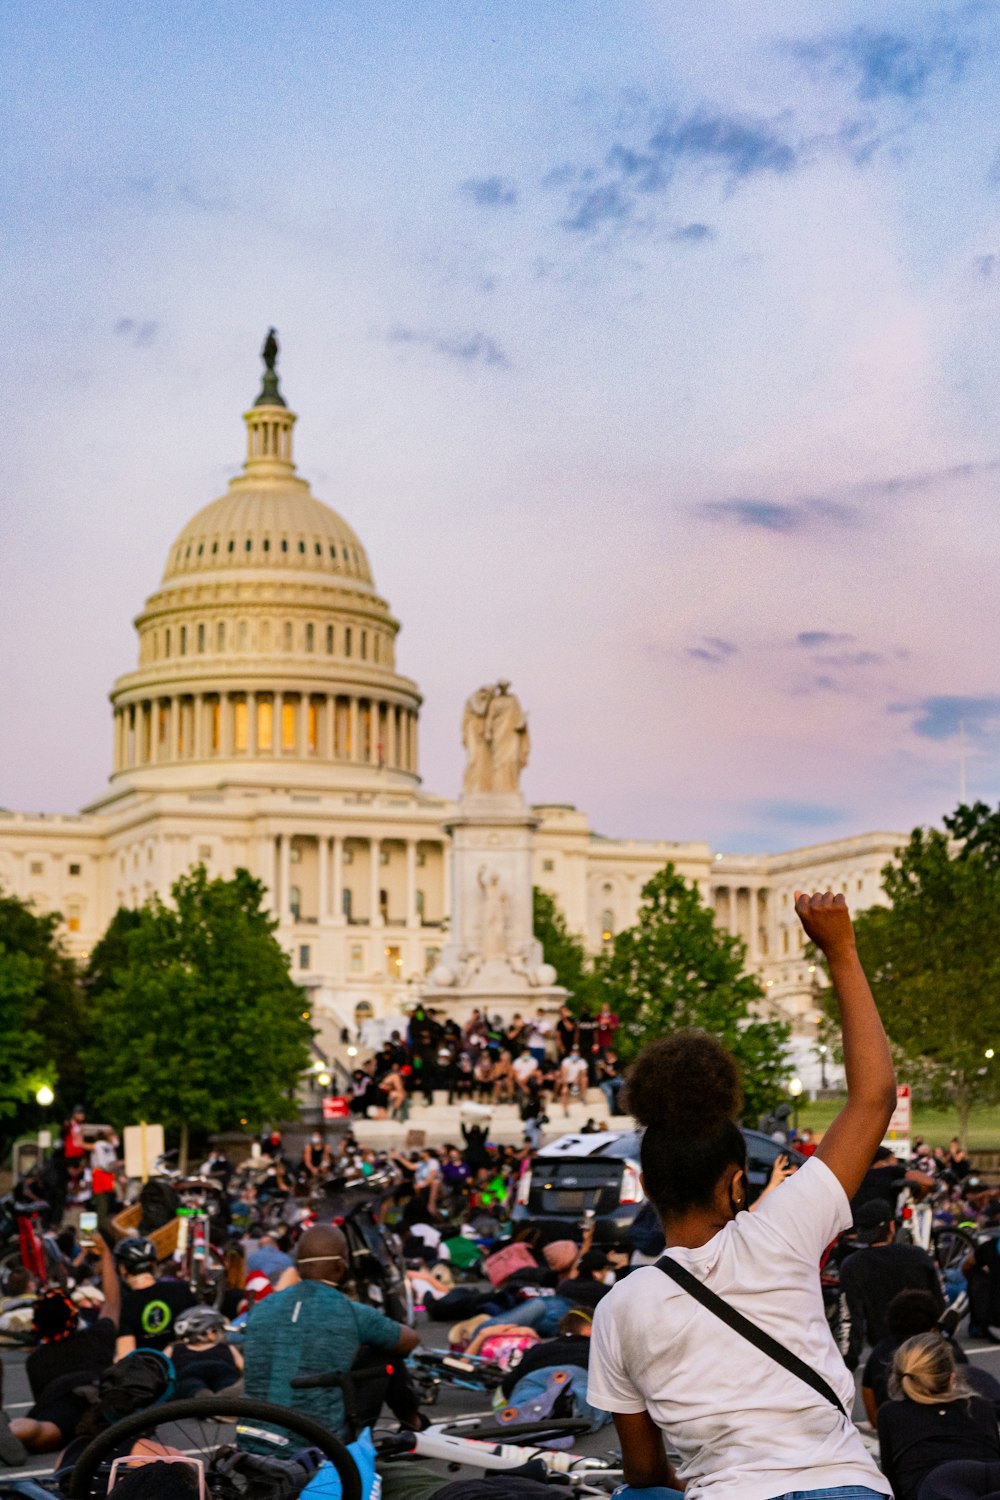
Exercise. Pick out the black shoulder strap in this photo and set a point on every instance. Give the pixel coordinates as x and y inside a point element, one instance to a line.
<point>754,1335</point>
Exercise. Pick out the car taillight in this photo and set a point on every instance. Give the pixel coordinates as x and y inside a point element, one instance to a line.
<point>631,1191</point>
<point>523,1189</point>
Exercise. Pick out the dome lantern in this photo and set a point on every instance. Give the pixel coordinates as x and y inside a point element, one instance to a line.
<point>269,422</point>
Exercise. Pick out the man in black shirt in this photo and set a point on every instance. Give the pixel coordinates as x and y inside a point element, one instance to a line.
<point>872,1276</point>
<point>149,1307</point>
<point>886,1178</point>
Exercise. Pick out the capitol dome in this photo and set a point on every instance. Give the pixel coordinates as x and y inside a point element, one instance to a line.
<point>267,639</point>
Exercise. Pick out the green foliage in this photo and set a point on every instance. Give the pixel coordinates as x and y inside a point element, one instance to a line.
<point>933,961</point>
<point>40,1007</point>
<point>109,957</point>
<point>979,830</point>
<point>563,950</point>
<point>674,969</point>
<point>195,1019</point>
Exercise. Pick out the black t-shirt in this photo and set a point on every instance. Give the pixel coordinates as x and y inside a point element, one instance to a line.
<point>581,1291</point>
<point>915,1439</point>
<point>567,1349</point>
<point>148,1315</point>
<point>566,1032</point>
<point>871,1277</point>
<point>88,1352</point>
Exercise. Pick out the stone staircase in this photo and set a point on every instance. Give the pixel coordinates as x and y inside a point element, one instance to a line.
<point>440,1122</point>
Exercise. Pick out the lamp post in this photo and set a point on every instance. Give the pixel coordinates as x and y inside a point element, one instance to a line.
<point>795,1090</point>
<point>822,1049</point>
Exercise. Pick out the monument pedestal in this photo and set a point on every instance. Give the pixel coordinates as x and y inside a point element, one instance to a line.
<point>492,961</point>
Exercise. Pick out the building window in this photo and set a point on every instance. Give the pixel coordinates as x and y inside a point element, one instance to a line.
<point>421,858</point>
<point>204,851</point>
<point>302,548</point>
<point>420,902</point>
<point>243,634</point>
<point>393,961</point>
<point>347,903</point>
<point>265,724</point>
<point>319,549</point>
<point>184,640</point>
<point>383,857</point>
<point>364,645</point>
<point>36,867</point>
<point>431,956</point>
<point>375,647</point>
<point>312,727</point>
<point>329,640</point>
<point>286,635</point>
<point>240,727</point>
<point>347,641</point>
<point>288,726</point>
<point>220,636</point>
<point>74,869</point>
<point>201,637</point>
<point>784,940</point>
<point>166,642</point>
<point>310,632</point>
<point>548,865</point>
<point>363,1012</point>
<point>607,926</point>
<point>215,548</point>
<point>294,901</point>
<point>73,919</point>
<point>357,958</point>
<point>383,906</point>
<point>861,885</point>
<point>304,956</point>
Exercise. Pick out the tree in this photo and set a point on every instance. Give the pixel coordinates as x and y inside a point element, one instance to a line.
<point>675,969</point>
<point>40,1007</point>
<point>562,949</point>
<point>933,960</point>
<point>200,1023</point>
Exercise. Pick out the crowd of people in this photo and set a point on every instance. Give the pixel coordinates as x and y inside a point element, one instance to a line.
<point>710,1326</point>
<point>529,1061</point>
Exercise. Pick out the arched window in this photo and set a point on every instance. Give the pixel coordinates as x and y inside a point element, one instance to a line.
<point>201,637</point>
<point>310,634</point>
<point>607,926</point>
<point>184,640</point>
<point>329,640</point>
<point>347,640</point>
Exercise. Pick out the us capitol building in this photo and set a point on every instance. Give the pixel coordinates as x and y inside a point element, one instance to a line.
<point>266,725</point>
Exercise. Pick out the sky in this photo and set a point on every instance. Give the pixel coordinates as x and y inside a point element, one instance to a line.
<point>650,348</point>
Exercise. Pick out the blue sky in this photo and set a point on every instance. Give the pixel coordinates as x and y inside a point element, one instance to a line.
<point>650,348</point>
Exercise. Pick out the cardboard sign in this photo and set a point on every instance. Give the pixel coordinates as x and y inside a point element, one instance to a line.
<point>897,1135</point>
<point>335,1107</point>
<point>143,1144</point>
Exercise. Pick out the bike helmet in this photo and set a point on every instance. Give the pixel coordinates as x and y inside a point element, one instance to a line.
<point>136,1255</point>
<point>198,1321</point>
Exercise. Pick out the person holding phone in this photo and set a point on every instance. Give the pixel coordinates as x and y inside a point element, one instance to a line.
<point>724,1344</point>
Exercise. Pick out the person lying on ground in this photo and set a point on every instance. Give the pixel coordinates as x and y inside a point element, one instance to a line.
<point>933,1417</point>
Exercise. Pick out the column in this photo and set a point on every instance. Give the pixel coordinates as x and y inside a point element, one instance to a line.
<point>446,910</point>
<point>285,878</point>
<point>251,724</point>
<point>375,845</point>
<point>303,735</point>
<point>225,724</point>
<point>174,728</point>
<point>198,715</point>
<point>732,910</point>
<point>338,879</point>
<point>411,742</point>
<point>354,721</point>
<point>412,919</point>
<point>390,734</point>
<point>754,924</point>
<point>116,753</point>
<point>277,713</point>
<point>323,852</point>
<point>267,872</point>
<point>330,739</point>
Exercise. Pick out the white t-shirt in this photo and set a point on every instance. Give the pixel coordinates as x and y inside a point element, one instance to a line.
<point>524,1066</point>
<point>746,1429</point>
<point>573,1070</point>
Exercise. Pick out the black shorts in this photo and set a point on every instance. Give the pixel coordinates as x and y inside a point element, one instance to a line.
<point>65,1412</point>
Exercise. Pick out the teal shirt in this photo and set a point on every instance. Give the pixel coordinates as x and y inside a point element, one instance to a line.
<point>309,1329</point>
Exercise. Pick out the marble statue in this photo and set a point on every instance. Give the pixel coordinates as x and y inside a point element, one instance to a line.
<point>478,773</point>
<point>493,928</point>
<point>496,741</point>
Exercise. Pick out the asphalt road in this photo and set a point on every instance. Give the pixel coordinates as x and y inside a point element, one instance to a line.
<point>451,1403</point>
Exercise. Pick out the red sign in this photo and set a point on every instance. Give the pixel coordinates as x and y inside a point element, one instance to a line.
<point>899,1125</point>
<point>335,1107</point>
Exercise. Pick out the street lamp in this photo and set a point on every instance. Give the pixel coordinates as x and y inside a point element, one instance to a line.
<point>990,1053</point>
<point>822,1049</point>
<point>795,1089</point>
<point>44,1096</point>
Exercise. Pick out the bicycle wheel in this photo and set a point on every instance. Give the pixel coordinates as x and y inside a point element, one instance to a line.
<point>197,1427</point>
<point>950,1246</point>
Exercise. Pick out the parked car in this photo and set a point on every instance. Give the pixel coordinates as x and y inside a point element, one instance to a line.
<point>600,1173</point>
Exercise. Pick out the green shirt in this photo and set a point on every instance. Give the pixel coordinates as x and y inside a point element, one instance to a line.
<point>308,1329</point>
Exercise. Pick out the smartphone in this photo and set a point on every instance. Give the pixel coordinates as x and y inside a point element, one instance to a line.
<point>88,1226</point>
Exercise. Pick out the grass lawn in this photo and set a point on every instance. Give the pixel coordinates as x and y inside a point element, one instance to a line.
<point>935,1125</point>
